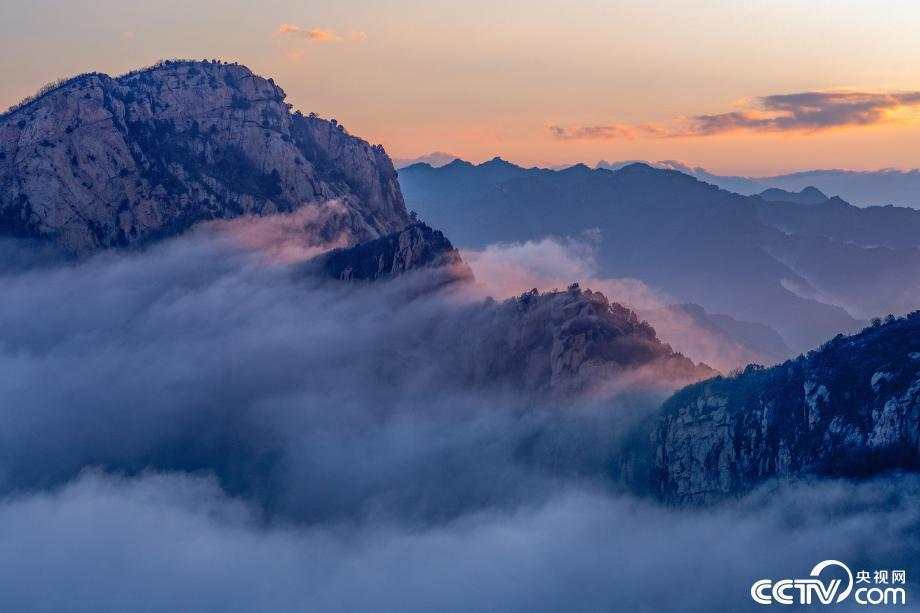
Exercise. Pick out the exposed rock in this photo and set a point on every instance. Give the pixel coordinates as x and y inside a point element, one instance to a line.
<point>100,162</point>
<point>417,246</point>
<point>851,408</point>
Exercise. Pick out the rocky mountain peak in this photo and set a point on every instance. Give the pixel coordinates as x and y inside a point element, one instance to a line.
<point>96,161</point>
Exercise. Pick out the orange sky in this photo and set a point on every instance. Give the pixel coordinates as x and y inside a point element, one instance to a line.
<point>481,78</point>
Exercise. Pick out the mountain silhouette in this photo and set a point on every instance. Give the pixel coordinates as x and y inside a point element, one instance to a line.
<point>860,187</point>
<point>809,271</point>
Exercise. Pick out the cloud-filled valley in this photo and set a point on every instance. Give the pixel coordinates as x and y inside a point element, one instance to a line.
<point>200,355</point>
<point>197,424</point>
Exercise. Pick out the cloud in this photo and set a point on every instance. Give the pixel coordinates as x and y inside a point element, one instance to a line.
<point>319,35</point>
<point>199,426</point>
<point>314,399</point>
<point>808,111</point>
<point>508,269</point>
<point>618,131</point>
<point>294,237</point>
<point>172,541</point>
<point>800,112</point>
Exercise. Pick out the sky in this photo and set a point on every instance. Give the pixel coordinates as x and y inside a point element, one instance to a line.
<point>752,88</point>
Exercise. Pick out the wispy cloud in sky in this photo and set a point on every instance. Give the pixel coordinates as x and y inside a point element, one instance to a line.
<point>319,35</point>
<point>617,131</point>
<point>799,112</point>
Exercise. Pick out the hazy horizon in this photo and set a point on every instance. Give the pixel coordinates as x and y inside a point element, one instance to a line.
<point>591,163</point>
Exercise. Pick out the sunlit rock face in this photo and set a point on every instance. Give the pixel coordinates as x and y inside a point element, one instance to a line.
<point>850,408</point>
<point>100,162</point>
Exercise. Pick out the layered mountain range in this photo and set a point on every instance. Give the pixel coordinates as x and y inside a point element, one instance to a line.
<point>100,163</point>
<point>808,270</point>
<point>862,187</point>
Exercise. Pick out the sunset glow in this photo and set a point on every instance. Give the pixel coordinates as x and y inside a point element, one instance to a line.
<point>540,83</point>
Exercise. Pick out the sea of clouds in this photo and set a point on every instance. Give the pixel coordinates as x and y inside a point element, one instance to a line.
<point>198,427</point>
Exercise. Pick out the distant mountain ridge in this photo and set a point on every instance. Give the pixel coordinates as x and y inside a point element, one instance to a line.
<point>808,195</point>
<point>861,187</point>
<point>808,271</point>
<point>719,340</point>
<point>435,159</point>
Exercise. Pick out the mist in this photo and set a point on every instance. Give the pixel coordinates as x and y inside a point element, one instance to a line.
<point>507,269</point>
<point>202,425</point>
<point>316,399</point>
<point>162,542</point>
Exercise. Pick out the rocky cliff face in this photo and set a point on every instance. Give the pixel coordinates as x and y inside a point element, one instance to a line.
<point>851,408</point>
<point>100,162</point>
<point>417,246</point>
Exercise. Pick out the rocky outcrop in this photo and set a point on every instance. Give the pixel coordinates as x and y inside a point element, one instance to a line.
<point>415,247</point>
<point>98,162</point>
<point>572,342</point>
<point>851,408</point>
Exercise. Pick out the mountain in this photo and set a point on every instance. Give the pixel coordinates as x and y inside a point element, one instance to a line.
<point>96,161</point>
<point>807,271</point>
<point>864,188</point>
<point>834,218</point>
<point>718,340</point>
<point>740,185</point>
<point>435,159</point>
<point>808,195</point>
<point>570,342</point>
<point>453,183</point>
<point>415,247</point>
<point>850,408</point>
<point>860,187</point>
<point>564,343</point>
